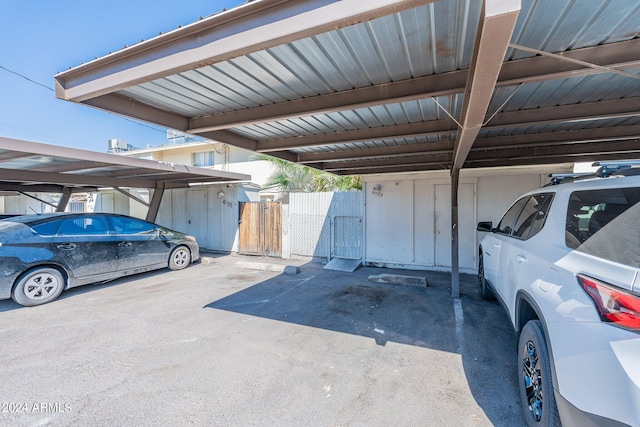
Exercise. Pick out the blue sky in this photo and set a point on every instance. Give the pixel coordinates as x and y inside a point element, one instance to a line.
<point>39,38</point>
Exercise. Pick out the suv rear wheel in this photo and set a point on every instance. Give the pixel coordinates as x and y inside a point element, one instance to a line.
<point>535,383</point>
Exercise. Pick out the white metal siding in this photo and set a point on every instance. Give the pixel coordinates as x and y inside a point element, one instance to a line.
<point>403,217</point>
<point>309,224</point>
<point>310,221</point>
<point>466,225</point>
<point>210,213</point>
<point>423,234</point>
<point>390,222</point>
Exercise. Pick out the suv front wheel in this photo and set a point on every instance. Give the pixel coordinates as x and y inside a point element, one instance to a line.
<point>483,287</point>
<point>535,384</point>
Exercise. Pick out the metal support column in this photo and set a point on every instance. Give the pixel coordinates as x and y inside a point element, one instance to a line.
<point>154,206</point>
<point>455,267</point>
<point>64,200</point>
<point>497,21</point>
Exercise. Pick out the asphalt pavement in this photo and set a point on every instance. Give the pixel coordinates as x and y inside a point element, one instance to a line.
<point>220,344</point>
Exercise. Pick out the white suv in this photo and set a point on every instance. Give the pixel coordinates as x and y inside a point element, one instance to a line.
<point>564,260</point>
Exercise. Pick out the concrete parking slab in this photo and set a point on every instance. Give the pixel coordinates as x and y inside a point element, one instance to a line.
<point>218,345</point>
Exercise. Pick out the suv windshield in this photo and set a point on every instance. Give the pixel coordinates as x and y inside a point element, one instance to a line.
<point>604,223</point>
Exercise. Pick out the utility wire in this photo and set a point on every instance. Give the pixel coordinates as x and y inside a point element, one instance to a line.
<point>27,78</point>
<point>53,90</point>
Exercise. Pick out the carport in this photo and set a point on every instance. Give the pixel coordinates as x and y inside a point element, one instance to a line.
<point>387,86</point>
<point>29,167</point>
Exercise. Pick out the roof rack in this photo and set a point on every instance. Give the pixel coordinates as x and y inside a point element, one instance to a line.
<point>609,168</point>
<point>605,169</point>
<point>558,178</point>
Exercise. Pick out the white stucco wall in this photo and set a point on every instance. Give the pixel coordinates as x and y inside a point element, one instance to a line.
<point>227,158</point>
<point>260,170</point>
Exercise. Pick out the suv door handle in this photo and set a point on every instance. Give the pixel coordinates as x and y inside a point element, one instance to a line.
<point>521,259</point>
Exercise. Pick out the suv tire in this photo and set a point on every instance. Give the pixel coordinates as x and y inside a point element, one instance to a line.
<point>485,291</point>
<point>535,383</point>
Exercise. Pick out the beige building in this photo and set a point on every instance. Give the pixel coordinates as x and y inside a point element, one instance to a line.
<point>207,154</point>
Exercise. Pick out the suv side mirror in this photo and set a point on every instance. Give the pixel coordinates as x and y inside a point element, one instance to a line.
<point>486,226</point>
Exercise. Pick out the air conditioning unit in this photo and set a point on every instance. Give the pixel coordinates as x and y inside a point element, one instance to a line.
<point>116,145</point>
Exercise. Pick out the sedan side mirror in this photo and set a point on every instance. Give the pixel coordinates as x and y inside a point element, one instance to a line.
<point>486,226</point>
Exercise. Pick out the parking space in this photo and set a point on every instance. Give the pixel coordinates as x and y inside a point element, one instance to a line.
<point>219,345</point>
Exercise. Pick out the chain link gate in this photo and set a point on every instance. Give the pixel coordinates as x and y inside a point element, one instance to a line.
<point>347,237</point>
<point>327,225</point>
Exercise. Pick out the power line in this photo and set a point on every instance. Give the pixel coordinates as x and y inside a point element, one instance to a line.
<point>27,78</point>
<point>138,123</point>
<point>53,90</point>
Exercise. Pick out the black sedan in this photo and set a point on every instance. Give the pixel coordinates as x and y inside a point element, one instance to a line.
<point>42,255</point>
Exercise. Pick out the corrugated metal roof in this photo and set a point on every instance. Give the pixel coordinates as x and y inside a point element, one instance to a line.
<point>558,26</point>
<point>413,43</point>
<point>362,118</point>
<point>27,166</point>
<point>394,67</point>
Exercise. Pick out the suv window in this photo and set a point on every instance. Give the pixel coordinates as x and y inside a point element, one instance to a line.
<point>505,226</point>
<point>604,223</point>
<point>526,217</point>
<point>542,202</point>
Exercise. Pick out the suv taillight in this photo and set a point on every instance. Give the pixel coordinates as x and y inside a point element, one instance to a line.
<point>614,305</point>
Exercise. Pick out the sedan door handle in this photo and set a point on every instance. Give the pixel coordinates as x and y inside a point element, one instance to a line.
<point>124,244</point>
<point>521,259</point>
<point>67,246</point>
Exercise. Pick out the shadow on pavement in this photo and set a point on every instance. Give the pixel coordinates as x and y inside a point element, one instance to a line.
<point>410,315</point>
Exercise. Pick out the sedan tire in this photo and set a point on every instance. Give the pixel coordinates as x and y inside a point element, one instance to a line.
<point>38,286</point>
<point>180,258</point>
<point>535,383</point>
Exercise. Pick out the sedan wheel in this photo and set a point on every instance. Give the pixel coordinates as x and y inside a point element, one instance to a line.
<point>536,389</point>
<point>38,286</point>
<point>180,258</point>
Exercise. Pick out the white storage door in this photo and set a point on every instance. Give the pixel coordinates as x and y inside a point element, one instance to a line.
<point>467,226</point>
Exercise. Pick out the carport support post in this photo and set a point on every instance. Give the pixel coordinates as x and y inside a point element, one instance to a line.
<point>154,206</point>
<point>455,269</point>
<point>64,200</point>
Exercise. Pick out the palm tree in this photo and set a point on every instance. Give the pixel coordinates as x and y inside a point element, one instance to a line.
<point>293,177</point>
